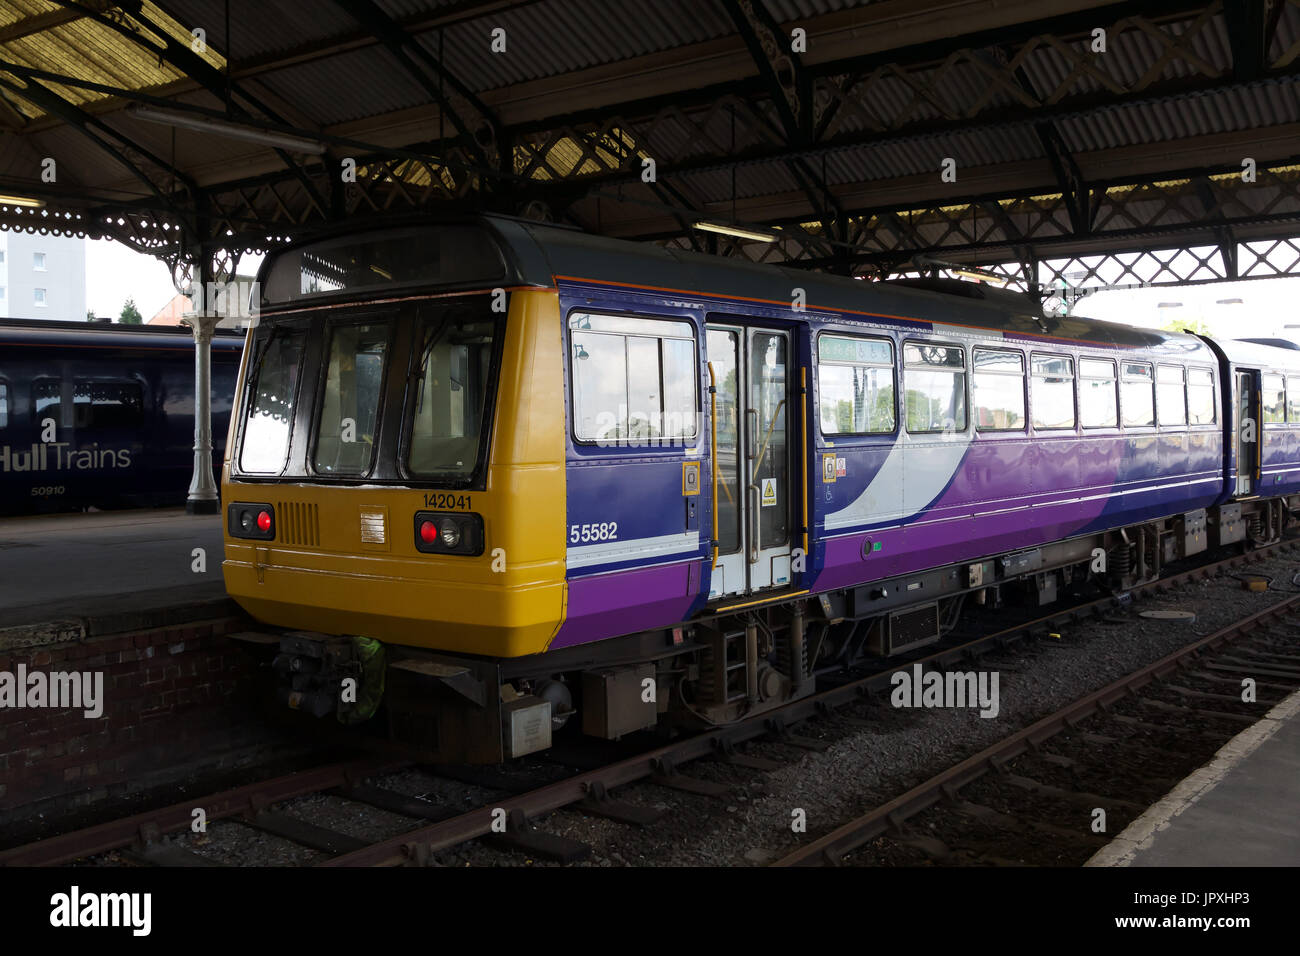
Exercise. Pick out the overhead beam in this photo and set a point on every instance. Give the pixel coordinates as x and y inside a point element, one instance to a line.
<point>439,82</point>
<point>1248,23</point>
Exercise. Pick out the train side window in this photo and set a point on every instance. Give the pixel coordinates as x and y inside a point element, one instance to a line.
<point>935,381</point>
<point>47,400</point>
<point>1272,399</point>
<point>1171,394</point>
<point>271,402</point>
<point>107,404</point>
<point>855,385</point>
<point>349,414</point>
<point>1053,391</point>
<point>1137,395</point>
<point>998,390</point>
<point>4,405</point>
<point>1098,393</point>
<point>1292,398</point>
<point>635,381</point>
<point>1200,396</point>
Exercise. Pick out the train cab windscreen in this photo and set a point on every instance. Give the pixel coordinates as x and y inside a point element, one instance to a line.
<point>382,262</point>
<point>450,403</point>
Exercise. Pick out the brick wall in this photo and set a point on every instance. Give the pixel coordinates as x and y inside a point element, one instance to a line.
<point>176,700</point>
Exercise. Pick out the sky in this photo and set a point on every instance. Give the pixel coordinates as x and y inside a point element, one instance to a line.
<point>1267,306</point>
<point>115,272</point>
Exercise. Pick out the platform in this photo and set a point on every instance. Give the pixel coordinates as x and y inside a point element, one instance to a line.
<point>1237,810</point>
<point>105,571</point>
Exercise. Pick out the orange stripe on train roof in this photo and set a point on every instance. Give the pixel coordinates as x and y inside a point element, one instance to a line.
<point>879,315</point>
<point>354,303</point>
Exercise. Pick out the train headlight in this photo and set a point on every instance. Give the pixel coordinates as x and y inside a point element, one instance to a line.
<point>251,520</point>
<point>449,532</point>
<point>443,532</point>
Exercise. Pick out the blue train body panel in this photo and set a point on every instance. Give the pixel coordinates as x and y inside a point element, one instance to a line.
<point>103,416</point>
<point>890,504</point>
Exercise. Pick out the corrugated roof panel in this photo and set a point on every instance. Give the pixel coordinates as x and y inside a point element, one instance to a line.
<point>549,39</point>
<point>1130,55</point>
<point>1227,111</point>
<point>714,185</point>
<point>1047,68</point>
<point>261,28</point>
<point>925,156</point>
<point>1287,34</point>
<point>379,85</point>
<point>789,11</point>
<point>406,9</point>
<point>85,49</point>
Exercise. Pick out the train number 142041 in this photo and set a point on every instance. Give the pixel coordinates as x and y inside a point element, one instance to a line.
<point>447,502</point>
<point>605,531</point>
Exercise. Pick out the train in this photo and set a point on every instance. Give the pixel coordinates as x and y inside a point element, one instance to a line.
<point>487,477</point>
<point>103,416</point>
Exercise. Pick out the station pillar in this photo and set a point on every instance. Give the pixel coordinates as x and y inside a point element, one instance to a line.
<point>204,498</point>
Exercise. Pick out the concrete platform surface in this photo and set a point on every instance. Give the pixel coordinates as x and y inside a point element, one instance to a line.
<point>1240,809</point>
<point>102,569</point>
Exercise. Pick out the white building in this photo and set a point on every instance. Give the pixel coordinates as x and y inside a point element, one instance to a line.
<point>42,277</point>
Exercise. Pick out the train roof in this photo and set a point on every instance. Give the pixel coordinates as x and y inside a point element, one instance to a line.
<point>1261,353</point>
<point>542,254</point>
<point>56,332</point>
<point>578,255</point>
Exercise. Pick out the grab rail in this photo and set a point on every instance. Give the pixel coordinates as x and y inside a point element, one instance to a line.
<point>713,446</point>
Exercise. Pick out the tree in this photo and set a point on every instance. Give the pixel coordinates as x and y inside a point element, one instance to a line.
<point>1196,326</point>
<point>130,314</point>
<point>90,315</point>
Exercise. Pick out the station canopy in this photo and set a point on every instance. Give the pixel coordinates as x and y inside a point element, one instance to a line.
<point>866,137</point>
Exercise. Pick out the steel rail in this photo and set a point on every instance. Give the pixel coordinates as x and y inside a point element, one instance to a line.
<point>250,798</point>
<point>415,845</point>
<point>830,848</point>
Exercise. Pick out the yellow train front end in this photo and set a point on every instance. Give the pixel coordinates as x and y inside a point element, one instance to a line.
<point>352,558</point>
<point>394,497</point>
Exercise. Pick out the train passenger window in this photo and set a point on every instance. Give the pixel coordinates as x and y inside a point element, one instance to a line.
<point>271,402</point>
<point>4,405</point>
<point>634,380</point>
<point>1171,394</point>
<point>349,414</point>
<point>935,379</point>
<point>451,403</point>
<point>998,390</point>
<point>1272,399</point>
<point>47,400</point>
<point>1200,396</point>
<point>1137,395</point>
<point>107,404</point>
<point>1098,397</point>
<point>1292,398</point>
<point>855,385</point>
<point>1053,391</point>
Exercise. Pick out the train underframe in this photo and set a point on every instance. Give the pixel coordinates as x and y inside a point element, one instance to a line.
<point>720,668</point>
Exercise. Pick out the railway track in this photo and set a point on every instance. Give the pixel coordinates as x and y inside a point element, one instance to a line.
<point>1129,721</point>
<point>507,823</point>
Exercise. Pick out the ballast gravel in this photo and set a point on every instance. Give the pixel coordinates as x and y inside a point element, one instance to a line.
<point>862,767</point>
